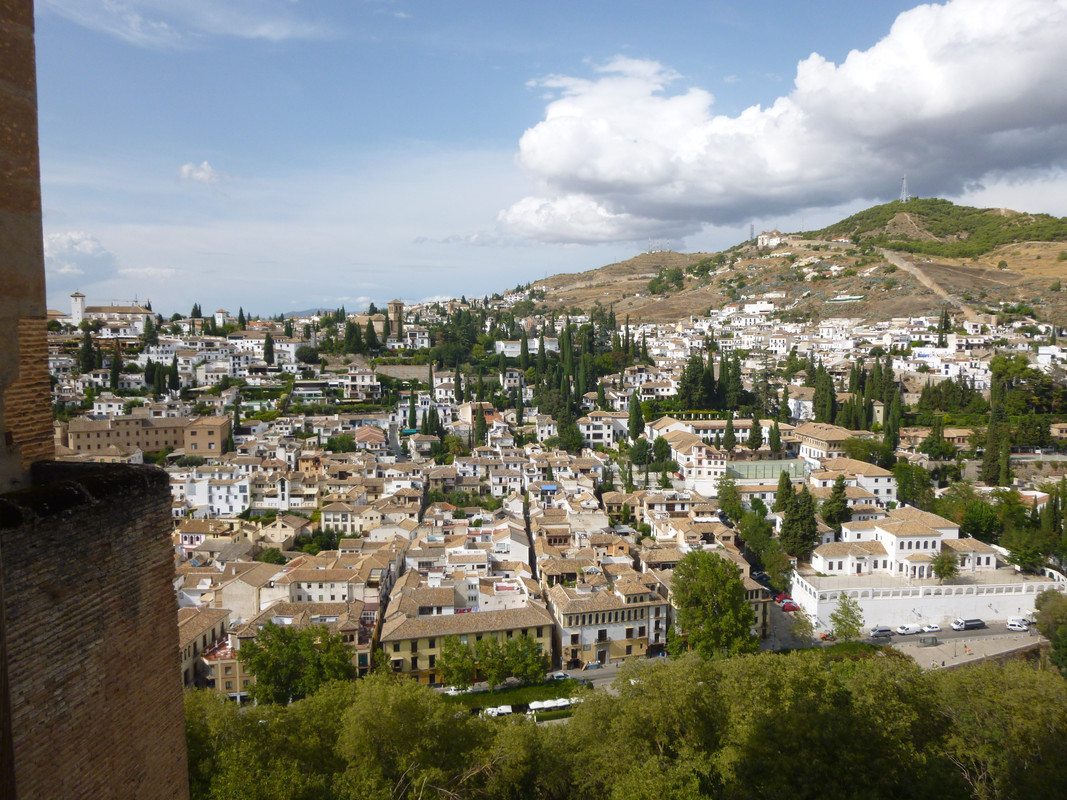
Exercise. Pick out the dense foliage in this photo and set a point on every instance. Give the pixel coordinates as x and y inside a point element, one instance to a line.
<point>844,722</point>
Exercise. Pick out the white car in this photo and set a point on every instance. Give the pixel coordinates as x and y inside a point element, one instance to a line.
<point>931,627</point>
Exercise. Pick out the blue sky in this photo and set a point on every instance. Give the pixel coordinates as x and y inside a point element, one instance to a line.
<point>278,155</point>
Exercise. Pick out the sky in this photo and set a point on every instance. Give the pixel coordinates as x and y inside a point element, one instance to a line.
<point>277,155</point>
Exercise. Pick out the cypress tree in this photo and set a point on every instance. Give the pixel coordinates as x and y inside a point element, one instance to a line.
<point>86,355</point>
<point>728,437</point>
<point>268,349</point>
<point>174,379</point>
<point>371,339</point>
<point>636,422</point>
<point>775,442</point>
<point>116,369</point>
<point>784,497</point>
<point>755,436</point>
<point>836,510</point>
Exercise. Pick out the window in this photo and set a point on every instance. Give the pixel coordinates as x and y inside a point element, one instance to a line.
<point>414,663</point>
<point>574,638</point>
<point>641,632</point>
<point>396,647</point>
<point>431,644</point>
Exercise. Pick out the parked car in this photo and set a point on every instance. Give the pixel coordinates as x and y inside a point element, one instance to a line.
<point>593,665</point>
<point>781,598</point>
<point>759,575</point>
<point>931,627</point>
<point>1018,624</point>
<point>453,691</point>
<point>881,632</point>
<point>789,605</point>
<point>559,676</point>
<point>908,629</point>
<point>960,624</point>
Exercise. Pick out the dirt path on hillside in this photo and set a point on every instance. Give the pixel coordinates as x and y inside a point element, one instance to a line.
<point>909,266</point>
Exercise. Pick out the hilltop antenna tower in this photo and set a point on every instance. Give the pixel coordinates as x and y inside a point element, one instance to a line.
<point>904,196</point>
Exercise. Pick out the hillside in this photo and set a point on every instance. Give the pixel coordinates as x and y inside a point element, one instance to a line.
<point>883,271</point>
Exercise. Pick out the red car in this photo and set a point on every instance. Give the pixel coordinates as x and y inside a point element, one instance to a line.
<point>790,606</point>
<point>782,598</point>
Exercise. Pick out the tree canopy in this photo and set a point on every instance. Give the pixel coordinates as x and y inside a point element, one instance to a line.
<point>290,663</point>
<point>714,617</point>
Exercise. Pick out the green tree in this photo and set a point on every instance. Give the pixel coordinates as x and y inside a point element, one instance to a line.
<point>729,497</point>
<point>713,615</point>
<point>847,618</point>
<point>661,450</point>
<point>399,740</point>
<point>729,439</point>
<point>492,660</point>
<point>87,354</point>
<point>799,532</point>
<point>525,660</point>
<point>306,354</point>
<point>268,349</point>
<point>271,555</point>
<point>456,663</point>
<point>637,417</point>
<point>945,564</point>
<point>785,496</point>
<point>1051,619</point>
<point>289,664</point>
<point>116,368</point>
<point>1005,725</point>
<point>639,452</point>
<point>835,509</point>
<point>755,436</point>
<point>775,439</point>
<point>150,335</point>
<point>174,380</point>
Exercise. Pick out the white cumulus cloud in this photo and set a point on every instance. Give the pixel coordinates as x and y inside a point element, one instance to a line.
<point>73,258</point>
<point>953,96</point>
<point>202,172</point>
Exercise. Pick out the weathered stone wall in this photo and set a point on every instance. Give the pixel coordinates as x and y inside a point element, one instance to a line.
<point>90,628</point>
<point>25,407</point>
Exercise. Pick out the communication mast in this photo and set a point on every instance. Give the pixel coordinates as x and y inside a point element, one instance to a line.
<point>904,196</point>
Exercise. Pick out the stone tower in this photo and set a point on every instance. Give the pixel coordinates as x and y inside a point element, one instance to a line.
<point>396,315</point>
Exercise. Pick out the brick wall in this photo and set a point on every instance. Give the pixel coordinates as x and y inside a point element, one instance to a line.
<point>24,398</point>
<point>92,646</point>
<point>28,400</point>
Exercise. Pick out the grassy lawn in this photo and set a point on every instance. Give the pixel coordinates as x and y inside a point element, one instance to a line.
<point>549,690</point>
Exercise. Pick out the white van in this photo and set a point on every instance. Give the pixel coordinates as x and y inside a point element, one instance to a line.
<point>1020,624</point>
<point>908,629</point>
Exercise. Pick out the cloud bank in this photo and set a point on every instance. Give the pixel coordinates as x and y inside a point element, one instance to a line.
<point>955,95</point>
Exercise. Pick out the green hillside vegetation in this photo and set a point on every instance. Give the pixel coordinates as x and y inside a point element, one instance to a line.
<point>849,722</point>
<point>954,231</point>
